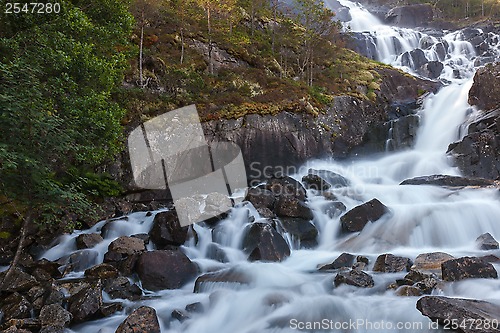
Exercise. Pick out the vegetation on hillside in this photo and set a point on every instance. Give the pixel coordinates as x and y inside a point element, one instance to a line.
<point>232,58</point>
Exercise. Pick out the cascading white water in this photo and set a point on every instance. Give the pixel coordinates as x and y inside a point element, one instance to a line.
<point>422,219</point>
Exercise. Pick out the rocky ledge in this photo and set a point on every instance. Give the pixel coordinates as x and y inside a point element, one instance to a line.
<point>478,153</point>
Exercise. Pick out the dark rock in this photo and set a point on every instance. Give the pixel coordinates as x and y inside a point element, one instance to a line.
<point>216,253</point>
<point>404,132</point>
<point>167,230</point>
<point>445,180</point>
<point>165,269</point>
<point>301,229</point>
<point>446,309</point>
<point>354,278</point>
<point>144,237</point>
<point>263,242</point>
<point>85,304</point>
<point>356,219</point>
<point>121,287</point>
<point>485,91</point>
<point>180,315</point>
<point>431,262</point>
<point>266,213</point>
<point>284,186</point>
<point>25,325</point>
<point>195,307</point>
<point>143,320</point>
<point>102,271</point>
<point>55,315</point>
<point>81,260</point>
<point>206,281</point>
<point>362,43</point>
<point>15,306</point>
<point>334,209</point>
<point>109,309</point>
<point>388,263</point>
<point>467,268</point>
<point>427,285</point>
<point>85,241</point>
<point>432,69</point>
<point>36,296</point>
<point>17,281</point>
<point>408,291</point>
<point>123,247</point>
<point>49,267</point>
<point>410,16</point>
<point>414,59</point>
<point>14,329</point>
<point>289,206</point>
<point>487,242</point>
<point>260,198</point>
<point>315,182</point>
<point>344,260</point>
<point>331,178</point>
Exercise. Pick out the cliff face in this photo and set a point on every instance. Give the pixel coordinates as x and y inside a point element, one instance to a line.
<point>478,153</point>
<point>273,143</point>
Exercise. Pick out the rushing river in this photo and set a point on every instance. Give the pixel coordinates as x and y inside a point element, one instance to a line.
<point>283,296</point>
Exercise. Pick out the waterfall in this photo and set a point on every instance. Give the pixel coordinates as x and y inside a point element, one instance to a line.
<point>421,219</point>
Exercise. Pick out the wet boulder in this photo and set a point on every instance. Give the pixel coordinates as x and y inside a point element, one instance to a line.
<point>263,242</point>
<point>344,260</point>
<point>333,209</point>
<point>85,304</point>
<point>143,319</point>
<point>167,230</point>
<point>354,278</point>
<point>315,182</point>
<point>331,178</point>
<point>18,280</point>
<point>408,291</point>
<point>55,315</point>
<point>431,262</point>
<point>85,241</point>
<point>122,247</point>
<point>81,260</point>
<point>445,310</point>
<point>224,277</point>
<point>215,252</point>
<point>431,69</point>
<point>289,206</point>
<point>356,219</point>
<point>388,263</point>
<point>487,242</point>
<point>467,268</point>
<point>102,271</point>
<point>165,269</point>
<point>446,180</point>
<point>414,59</point>
<point>261,197</point>
<point>301,229</point>
<point>286,186</point>
<point>121,287</point>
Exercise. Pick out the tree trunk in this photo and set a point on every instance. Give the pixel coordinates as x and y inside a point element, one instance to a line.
<point>141,77</point>
<point>182,45</point>
<point>20,247</point>
<point>210,62</point>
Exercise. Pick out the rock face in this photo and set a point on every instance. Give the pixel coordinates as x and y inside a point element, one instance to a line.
<point>467,268</point>
<point>487,242</point>
<point>289,139</point>
<point>478,153</point>
<point>410,16</point>
<point>165,269</point>
<point>142,320</point>
<point>356,219</point>
<point>445,309</point>
<point>389,263</point>
<point>262,242</point>
<point>485,92</point>
<point>354,278</point>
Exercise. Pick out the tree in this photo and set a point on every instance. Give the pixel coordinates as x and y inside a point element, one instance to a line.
<point>319,27</point>
<point>210,6</point>
<point>145,11</point>
<point>56,76</point>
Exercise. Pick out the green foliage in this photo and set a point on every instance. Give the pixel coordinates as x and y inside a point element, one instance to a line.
<point>57,73</point>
